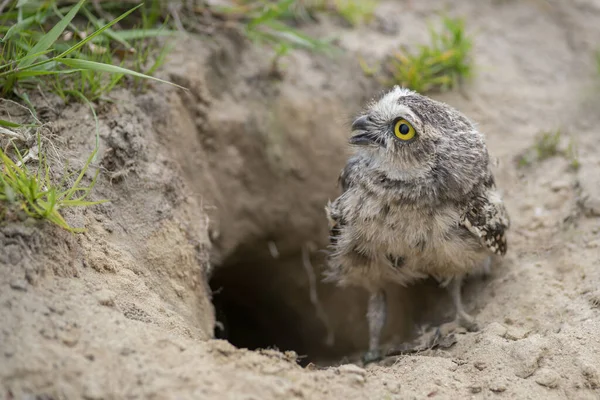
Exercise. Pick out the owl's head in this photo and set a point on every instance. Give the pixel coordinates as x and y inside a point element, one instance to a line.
<point>408,135</point>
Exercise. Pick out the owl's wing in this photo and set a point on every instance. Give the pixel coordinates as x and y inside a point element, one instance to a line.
<point>346,177</point>
<point>487,218</point>
<point>335,213</point>
<point>336,221</point>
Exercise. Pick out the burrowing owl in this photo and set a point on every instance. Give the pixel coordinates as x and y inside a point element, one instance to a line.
<point>419,200</point>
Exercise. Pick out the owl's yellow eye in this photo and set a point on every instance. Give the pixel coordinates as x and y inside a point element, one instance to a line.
<point>404,130</point>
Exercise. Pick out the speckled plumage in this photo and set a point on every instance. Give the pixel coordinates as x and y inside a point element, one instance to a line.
<point>409,210</point>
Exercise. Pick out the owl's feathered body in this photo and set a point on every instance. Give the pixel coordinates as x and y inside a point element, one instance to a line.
<point>424,206</point>
<point>383,231</point>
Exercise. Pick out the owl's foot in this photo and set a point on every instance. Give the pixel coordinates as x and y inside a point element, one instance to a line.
<point>463,322</point>
<point>441,337</point>
<point>372,356</point>
<point>466,321</point>
<point>463,319</point>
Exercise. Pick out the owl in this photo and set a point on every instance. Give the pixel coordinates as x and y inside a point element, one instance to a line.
<point>418,200</point>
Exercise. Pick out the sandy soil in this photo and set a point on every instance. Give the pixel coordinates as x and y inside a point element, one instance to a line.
<point>217,195</point>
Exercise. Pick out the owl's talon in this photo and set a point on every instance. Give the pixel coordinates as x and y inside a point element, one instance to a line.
<point>469,324</point>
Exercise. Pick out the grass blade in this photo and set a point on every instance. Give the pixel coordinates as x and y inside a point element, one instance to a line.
<point>96,33</point>
<point>31,73</point>
<point>272,12</point>
<point>108,32</point>
<point>16,28</point>
<point>8,124</point>
<point>12,64</point>
<point>49,38</point>
<point>111,69</point>
<point>133,34</point>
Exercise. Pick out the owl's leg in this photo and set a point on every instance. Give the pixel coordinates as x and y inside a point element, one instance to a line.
<point>487,266</point>
<point>376,316</point>
<point>462,318</point>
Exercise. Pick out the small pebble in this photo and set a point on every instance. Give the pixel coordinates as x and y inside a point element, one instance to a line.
<point>351,369</point>
<point>559,185</point>
<point>31,275</point>
<point>497,387</point>
<point>590,373</point>
<point>357,379</point>
<point>70,338</point>
<point>105,297</point>
<point>353,372</point>
<point>480,365</point>
<point>19,284</point>
<point>271,369</point>
<point>387,25</point>
<point>291,356</point>
<point>593,244</point>
<point>223,347</point>
<point>93,390</point>
<point>56,308</point>
<point>475,389</point>
<point>547,377</point>
<point>515,333</point>
<point>311,367</point>
<point>497,329</point>
<point>125,351</point>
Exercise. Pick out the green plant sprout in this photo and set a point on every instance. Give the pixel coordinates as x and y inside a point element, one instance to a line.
<point>439,66</point>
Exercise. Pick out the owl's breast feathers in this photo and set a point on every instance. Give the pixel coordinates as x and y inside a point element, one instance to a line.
<point>485,215</point>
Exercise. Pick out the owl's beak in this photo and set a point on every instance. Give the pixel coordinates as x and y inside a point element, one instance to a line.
<point>361,123</point>
<point>363,137</point>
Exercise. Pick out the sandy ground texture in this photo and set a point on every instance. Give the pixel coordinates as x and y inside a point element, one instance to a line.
<point>217,196</point>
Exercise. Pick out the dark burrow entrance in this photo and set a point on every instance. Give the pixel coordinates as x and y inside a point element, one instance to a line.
<point>263,301</point>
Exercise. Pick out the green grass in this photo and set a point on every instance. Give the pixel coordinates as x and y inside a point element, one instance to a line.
<point>354,12</point>
<point>266,23</point>
<point>547,145</point>
<point>267,26</point>
<point>572,154</point>
<point>33,192</point>
<point>44,47</point>
<point>81,53</point>
<point>441,65</point>
<point>26,191</point>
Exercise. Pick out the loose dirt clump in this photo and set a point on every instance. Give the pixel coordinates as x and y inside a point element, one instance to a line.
<point>216,228</point>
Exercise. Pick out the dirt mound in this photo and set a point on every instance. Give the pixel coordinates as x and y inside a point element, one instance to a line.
<point>217,197</point>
